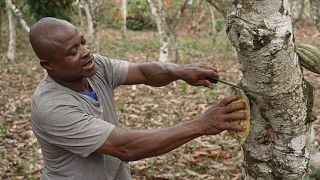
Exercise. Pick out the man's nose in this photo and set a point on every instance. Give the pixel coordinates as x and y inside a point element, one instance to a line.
<point>85,51</point>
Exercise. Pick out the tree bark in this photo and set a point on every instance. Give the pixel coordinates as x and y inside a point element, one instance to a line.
<point>166,30</point>
<point>11,54</point>
<point>124,18</point>
<point>220,6</point>
<point>213,21</point>
<point>90,28</point>
<point>80,7</point>
<point>297,8</point>
<point>262,33</point>
<point>315,13</point>
<point>18,14</point>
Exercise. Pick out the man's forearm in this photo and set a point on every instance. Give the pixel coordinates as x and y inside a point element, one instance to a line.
<point>134,145</point>
<point>159,74</point>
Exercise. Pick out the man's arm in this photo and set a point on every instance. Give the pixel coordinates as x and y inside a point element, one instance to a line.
<point>160,74</point>
<point>135,145</point>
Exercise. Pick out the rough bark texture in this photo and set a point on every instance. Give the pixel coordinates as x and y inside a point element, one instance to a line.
<point>11,54</point>
<point>261,31</point>
<point>315,13</point>
<point>297,8</point>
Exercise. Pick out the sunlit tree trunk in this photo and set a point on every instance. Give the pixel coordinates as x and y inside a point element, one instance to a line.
<point>11,54</point>
<point>80,7</point>
<point>92,11</point>
<point>315,13</point>
<point>262,33</point>
<point>297,8</point>
<point>213,21</point>
<point>166,30</point>
<point>90,28</point>
<point>124,18</point>
<point>18,14</point>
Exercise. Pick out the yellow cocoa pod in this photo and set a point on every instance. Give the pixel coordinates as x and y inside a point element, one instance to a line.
<point>241,136</point>
<point>309,57</point>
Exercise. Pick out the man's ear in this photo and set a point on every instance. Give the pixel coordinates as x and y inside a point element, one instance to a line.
<point>45,64</point>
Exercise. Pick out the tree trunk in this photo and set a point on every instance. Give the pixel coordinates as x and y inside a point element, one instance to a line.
<point>315,13</point>
<point>213,21</point>
<point>124,18</point>
<point>80,7</point>
<point>1,39</point>
<point>262,33</point>
<point>297,8</point>
<point>166,30</point>
<point>12,33</point>
<point>219,5</point>
<point>18,14</point>
<point>89,20</point>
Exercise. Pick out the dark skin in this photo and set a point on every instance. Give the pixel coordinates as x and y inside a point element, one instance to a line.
<point>63,52</point>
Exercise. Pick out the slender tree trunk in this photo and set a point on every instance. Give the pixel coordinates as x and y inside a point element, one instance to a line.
<point>1,39</point>
<point>80,7</point>
<point>262,33</point>
<point>18,14</point>
<point>124,18</point>
<point>297,8</point>
<point>159,16</point>
<point>167,32</point>
<point>219,5</point>
<point>213,21</point>
<point>12,33</point>
<point>315,13</point>
<point>89,19</point>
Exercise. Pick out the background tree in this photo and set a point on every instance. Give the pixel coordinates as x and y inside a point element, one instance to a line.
<point>315,13</point>
<point>11,54</point>
<point>219,5</point>
<point>2,14</point>
<point>262,33</point>
<point>297,9</point>
<point>167,15</point>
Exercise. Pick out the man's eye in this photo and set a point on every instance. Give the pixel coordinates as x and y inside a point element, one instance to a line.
<point>83,41</point>
<point>73,51</point>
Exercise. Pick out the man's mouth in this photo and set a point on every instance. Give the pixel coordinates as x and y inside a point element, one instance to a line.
<point>88,64</point>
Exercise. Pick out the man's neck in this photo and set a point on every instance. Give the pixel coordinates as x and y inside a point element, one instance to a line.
<point>81,85</point>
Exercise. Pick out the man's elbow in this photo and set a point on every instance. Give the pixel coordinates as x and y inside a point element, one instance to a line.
<point>127,155</point>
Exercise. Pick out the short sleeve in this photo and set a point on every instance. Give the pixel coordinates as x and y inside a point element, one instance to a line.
<point>114,71</point>
<point>71,128</point>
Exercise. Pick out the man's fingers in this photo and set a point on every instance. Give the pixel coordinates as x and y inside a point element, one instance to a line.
<point>204,83</point>
<point>228,100</point>
<point>235,127</point>
<point>236,116</point>
<point>235,107</point>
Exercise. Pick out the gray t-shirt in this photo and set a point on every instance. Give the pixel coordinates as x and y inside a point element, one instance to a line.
<point>70,126</point>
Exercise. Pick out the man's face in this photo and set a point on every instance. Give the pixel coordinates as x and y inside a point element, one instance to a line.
<point>70,58</point>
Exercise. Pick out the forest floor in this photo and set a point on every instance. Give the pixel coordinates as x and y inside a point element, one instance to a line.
<point>211,157</point>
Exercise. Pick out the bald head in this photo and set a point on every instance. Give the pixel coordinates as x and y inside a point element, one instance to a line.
<point>46,33</point>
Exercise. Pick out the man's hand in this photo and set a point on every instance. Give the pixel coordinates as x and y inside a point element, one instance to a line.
<point>196,74</point>
<point>217,118</point>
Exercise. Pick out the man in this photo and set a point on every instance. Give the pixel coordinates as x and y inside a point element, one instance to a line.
<point>73,111</point>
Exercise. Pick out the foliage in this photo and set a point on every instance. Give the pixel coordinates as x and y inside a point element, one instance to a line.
<point>48,8</point>
<point>138,15</point>
<point>219,24</point>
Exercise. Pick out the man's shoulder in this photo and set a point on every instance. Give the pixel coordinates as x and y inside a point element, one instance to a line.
<point>49,92</point>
